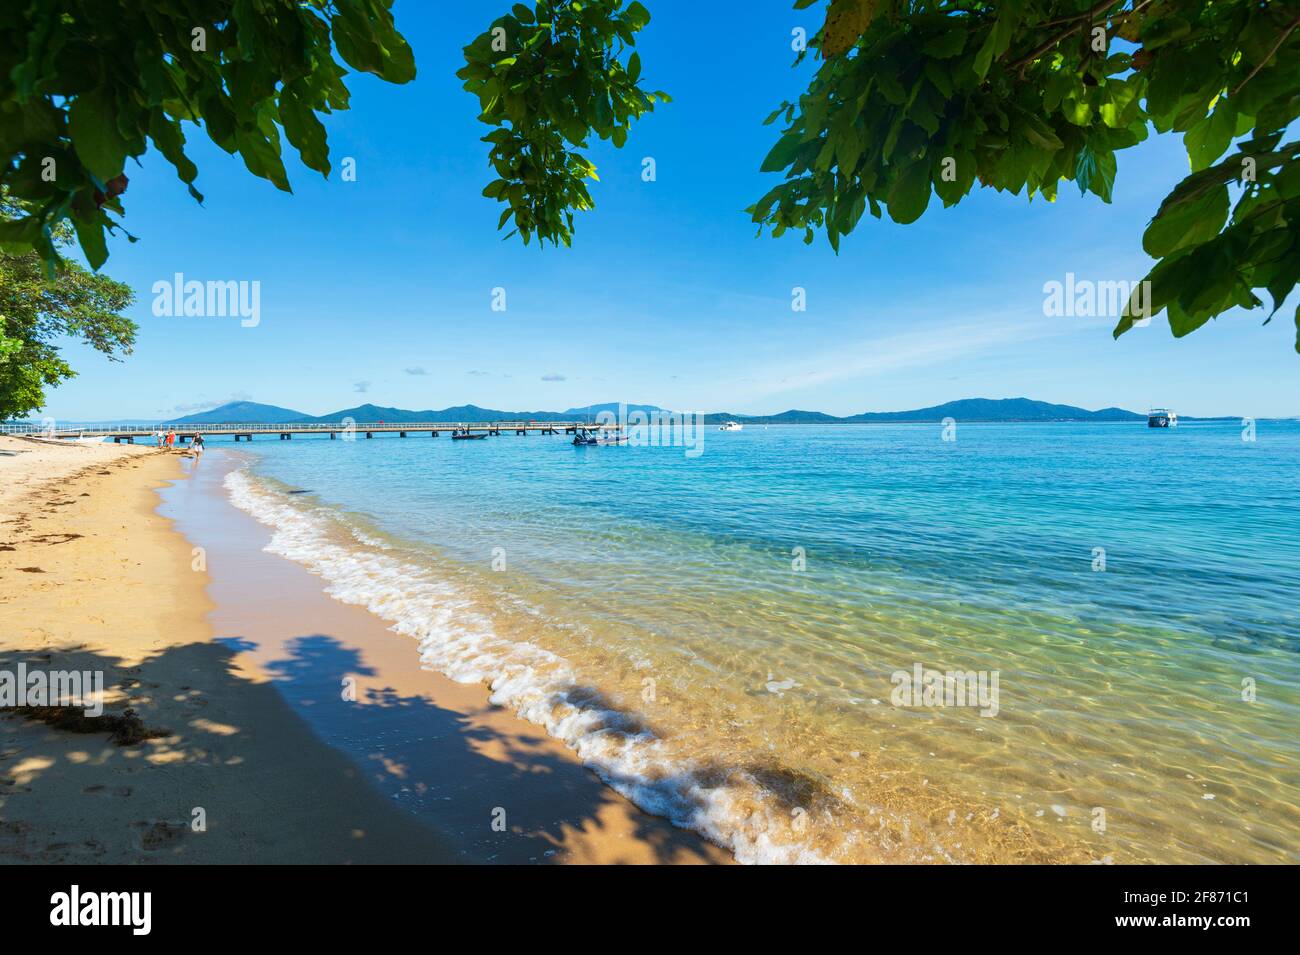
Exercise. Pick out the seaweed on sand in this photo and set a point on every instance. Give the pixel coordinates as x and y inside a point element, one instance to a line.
<point>126,729</point>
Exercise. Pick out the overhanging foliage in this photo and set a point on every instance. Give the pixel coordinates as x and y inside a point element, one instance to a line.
<point>547,77</point>
<point>923,99</point>
<point>87,84</point>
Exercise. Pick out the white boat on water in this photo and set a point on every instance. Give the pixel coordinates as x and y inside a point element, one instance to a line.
<point>598,436</point>
<point>731,426</point>
<point>1161,418</point>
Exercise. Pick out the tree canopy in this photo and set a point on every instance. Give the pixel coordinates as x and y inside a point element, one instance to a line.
<point>87,84</point>
<point>915,99</point>
<point>36,313</point>
<point>547,77</point>
<point>912,99</point>
<point>928,97</point>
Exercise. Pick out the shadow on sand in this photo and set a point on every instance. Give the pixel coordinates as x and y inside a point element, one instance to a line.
<point>292,771</point>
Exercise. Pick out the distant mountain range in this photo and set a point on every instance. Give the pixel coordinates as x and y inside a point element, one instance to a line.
<point>967,409</point>
<point>250,412</point>
<point>243,412</point>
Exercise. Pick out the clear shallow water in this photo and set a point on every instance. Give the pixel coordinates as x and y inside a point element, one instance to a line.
<point>653,610</point>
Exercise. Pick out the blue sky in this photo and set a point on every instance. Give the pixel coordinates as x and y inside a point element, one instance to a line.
<point>379,290</point>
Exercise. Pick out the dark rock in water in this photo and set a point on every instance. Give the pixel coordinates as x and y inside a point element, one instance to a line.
<point>300,492</point>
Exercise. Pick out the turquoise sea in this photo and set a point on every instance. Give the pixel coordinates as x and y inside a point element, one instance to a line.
<point>725,637</point>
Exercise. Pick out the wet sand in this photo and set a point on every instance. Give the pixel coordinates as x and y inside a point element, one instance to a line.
<point>92,578</point>
<point>242,659</point>
<point>498,789</point>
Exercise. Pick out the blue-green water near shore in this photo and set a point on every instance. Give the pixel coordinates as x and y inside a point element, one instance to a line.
<point>719,636</point>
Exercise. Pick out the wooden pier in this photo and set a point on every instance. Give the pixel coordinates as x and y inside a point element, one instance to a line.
<point>285,432</point>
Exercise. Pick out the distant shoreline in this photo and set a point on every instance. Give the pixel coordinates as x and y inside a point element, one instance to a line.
<point>220,426</point>
<point>975,410</point>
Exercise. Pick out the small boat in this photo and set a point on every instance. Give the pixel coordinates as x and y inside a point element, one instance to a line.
<point>1161,418</point>
<point>731,426</point>
<point>464,435</point>
<point>584,437</point>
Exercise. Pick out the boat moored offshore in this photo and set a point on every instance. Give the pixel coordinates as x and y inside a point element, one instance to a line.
<point>1161,418</point>
<point>731,426</point>
<point>597,436</point>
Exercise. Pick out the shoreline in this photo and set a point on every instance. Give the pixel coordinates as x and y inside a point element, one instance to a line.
<point>497,787</point>
<point>238,777</point>
<point>239,655</point>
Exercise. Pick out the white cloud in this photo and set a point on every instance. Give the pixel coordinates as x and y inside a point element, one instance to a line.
<point>926,347</point>
<point>205,404</point>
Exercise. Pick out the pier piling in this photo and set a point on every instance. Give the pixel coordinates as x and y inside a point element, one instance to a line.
<point>244,431</point>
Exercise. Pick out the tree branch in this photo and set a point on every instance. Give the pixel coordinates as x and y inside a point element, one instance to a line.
<point>1079,20</point>
<point>1260,65</point>
<point>1086,14</point>
<point>1044,47</point>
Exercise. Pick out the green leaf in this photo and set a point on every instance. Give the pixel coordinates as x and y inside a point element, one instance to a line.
<point>1076,108</point>
<point>167,136</point>
<point>984,58</point>
<point>304,131</point>
<point>91,236</point>
<point>1164,30</point>
<point>782,153</point>
<point>18,236</point>
<point>1121,105</point>
<point>261,157</point>
<point>947,44</point>
<point>1084,169</point>
<point>953,176</point>
<point>910,192</point>
<point>636,16</point>
<point>1039,133</point>
<point>1181,224</point>
<point>364,34</point>
<point>92,122</point>
<point>998,40</point>
<point>1103,182</point>
<point>1183,323</point>
<point>1209,139</point>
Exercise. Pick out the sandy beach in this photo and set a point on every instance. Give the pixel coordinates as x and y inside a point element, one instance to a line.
<point>233,660</point>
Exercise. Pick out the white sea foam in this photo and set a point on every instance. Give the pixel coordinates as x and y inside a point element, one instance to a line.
<point>541,687</point>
